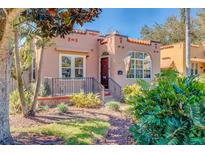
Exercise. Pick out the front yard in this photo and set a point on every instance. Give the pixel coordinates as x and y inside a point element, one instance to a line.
<point>77,126</point>
<point>71,131</point>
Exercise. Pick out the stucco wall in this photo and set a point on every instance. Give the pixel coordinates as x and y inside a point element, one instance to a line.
<point>74,44</point>
<point>199,52</point>
<point>118,48</point>
<point>176,54</point>
<point>89,45</point>
<point>121,52</point>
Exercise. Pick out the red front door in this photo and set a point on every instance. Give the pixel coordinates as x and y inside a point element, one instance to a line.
<point>104,72</point>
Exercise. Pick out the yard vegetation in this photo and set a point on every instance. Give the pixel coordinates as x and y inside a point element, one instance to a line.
<point>89,100</point>
<point>73,132</point>
<point>113,105</point>
<point>171,111</point>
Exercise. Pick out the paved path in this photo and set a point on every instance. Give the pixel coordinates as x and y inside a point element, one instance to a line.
<point>118,132</point>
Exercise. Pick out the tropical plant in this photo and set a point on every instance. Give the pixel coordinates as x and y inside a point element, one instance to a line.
<point>130,91</point>
<point>89,100</point>
<point>43,108</point>
<point>43,91</point>
<point>171,111</point>
<point>15,103</point>
<point>62,108</point>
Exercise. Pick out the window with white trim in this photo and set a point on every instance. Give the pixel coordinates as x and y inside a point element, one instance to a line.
<point>140,65</point>
<point>72,66</point>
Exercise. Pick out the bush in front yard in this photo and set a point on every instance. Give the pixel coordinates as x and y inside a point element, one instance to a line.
<point>113,105</point>
<point>130,91</point>
<point>172,111</point>
<point>89,100</point>
<point>15,104</point>
<point>62,108</point>
<point>43,108</point>
<point>44,89</point>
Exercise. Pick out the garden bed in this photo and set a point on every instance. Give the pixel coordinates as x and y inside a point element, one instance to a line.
<point>100,126</point>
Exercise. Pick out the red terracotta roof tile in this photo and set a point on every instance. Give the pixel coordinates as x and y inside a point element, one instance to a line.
<point>142,42</point>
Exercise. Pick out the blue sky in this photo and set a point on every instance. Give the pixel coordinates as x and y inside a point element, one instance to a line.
<point>130,21</point>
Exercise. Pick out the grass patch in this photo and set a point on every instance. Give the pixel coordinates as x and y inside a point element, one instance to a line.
<point>113,105</point>
<point>73,132</point>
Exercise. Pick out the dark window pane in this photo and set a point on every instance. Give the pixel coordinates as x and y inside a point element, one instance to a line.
<point>139,74</point>
<point>66,72</point>
<point>78,73</point>
<point>79,62</point>
<point>66,61</point>
<point>147,74</point>
<point>139,55</point>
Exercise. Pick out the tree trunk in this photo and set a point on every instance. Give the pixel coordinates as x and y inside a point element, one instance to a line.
<point>5,136</point>
<point>19,76</point>
<point>188,43</point>
<point>38,83</point>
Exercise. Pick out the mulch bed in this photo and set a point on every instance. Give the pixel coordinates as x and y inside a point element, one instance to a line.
<point>118,132</point>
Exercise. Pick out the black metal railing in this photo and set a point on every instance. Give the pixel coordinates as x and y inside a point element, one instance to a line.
<point>115,89</point>
<point>70,86</point>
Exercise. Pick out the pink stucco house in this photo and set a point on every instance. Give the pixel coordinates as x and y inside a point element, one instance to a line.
<point>87,59</point>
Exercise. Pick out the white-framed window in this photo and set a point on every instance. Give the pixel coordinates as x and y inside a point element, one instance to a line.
<point>72,66</point>
<point>194,69</point>
<point>140,65</point>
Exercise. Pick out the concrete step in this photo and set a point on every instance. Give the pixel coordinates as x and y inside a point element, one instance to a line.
<point>109,98</point>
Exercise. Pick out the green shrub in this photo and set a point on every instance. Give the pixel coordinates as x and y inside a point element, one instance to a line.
<point>44,89</point>
<point>43,108</point>
<point>171,111</point>
<point>62,108</point>
<point>113,105</point>
<point>130,91</point>
<point>89,100</point>
<point>15,104</point>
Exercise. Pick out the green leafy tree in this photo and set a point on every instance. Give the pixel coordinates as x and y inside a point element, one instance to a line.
<point>172,31</point>
<point>200,26</point>
<point>45,24</point>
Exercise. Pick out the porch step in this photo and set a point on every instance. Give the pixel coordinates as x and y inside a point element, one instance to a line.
<point>109,98</point>
<point>107,93</point>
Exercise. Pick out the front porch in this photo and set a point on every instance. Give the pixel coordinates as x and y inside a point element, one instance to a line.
<point>68,86</point>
